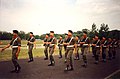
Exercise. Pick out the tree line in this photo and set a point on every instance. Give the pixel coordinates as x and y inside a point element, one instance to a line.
<point>102,31</point>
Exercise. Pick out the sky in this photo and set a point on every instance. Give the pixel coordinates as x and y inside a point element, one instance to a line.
<point>41,16</point>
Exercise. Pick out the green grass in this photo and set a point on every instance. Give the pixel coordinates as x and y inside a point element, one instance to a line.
<point>39,52</point>
<point>5,42</point>
<point>7,54</point>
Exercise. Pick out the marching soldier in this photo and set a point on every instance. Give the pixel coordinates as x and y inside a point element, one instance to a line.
<point>65,46</point>
<point>96,46</point>
<point>84,49</point>
<point>77,45</point>
<point>115,45</point>
<point>52,46</point>
<point>69,51</point>
<point>110,46</point>
<point>31,43</point>
<point>46,46</point>
<point>15,45</point>
<point>93,47</point>
<point>104,48</point>
<point>60,44</point>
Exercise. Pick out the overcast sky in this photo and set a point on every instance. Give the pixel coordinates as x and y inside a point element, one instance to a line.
<point>41,16</point>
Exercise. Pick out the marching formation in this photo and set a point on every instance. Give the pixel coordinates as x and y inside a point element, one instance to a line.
<point>72,47</point>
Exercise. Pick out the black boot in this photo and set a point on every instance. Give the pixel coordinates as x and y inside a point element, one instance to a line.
<point>18,69</point>
<point>14,71</point>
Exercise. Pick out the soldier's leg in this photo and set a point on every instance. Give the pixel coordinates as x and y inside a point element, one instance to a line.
<point>114,53</point>
<point>66,53</point>
<point>46,52</point>
<point>78,57</point>
<point>97,51</point>
<point>93,51</point>
<point>84,56</point>
<point>70,59</point>
<point>104,54</point>
<point>30,52</point>
<point>60,51</point>
<point>51,51</point>
<point>14,60</point>
<point>67,60</point>
<point>110,53</point>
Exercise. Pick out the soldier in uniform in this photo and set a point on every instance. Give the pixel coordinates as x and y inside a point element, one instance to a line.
<point>77,45</point>
<point>110,46</point>
<point>69,51</point>
<point>60,45</point>
<point>93,47</point>
<point>115,45</point>
<point>52,47</point>
<point>15,45</point>
<point>96,46</point>
<point>65,46</point>
<point>104,48</point>
<point>31,43</point>
<point>46,46</point>
<point>84,49</point>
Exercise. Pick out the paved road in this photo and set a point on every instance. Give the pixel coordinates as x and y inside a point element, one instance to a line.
<point>39,69</point>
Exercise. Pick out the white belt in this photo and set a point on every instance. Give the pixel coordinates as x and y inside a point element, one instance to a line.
<point>52,44</point>
<point>110,46</point>
<point>61,44</point>
<point>70,46</point>
<point>85,44</point>
<point>78,45</point>
<point>97,46</point>
<point>104,46</point>
<point>14,46</point>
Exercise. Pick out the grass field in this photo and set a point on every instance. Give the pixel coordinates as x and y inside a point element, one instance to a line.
<point>39,52</point>
<point>4,42</point>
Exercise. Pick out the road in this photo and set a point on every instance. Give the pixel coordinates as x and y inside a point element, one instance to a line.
<point>39,69</point>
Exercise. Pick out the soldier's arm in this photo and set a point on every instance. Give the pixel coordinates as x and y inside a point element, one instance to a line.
<point>7,46</point>
<point>35,44</point>
<point>19,45</point>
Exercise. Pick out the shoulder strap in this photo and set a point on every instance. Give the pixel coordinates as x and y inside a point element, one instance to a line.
<point>86,39</point>
<point>14,41</point>
<point>53,39</point>
<point>97,42</point>
<point>70,40</point>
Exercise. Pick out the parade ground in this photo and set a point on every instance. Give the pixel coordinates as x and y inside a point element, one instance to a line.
<point>39,69</point>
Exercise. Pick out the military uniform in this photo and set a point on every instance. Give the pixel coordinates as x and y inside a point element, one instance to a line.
<point>60,45</point>
<point>104,49</point>
<point>96,50</point>
<point>84,50</point>
<point>30,47</point>
<point>65,47</point>
<point>14,44</point>
<point>93,48</point>
<point>110,45</point>
<point>115,45</point>
<point>46,48</point>
<point>53,41</point>
<point>77,57</point>
<point>69,52</point>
